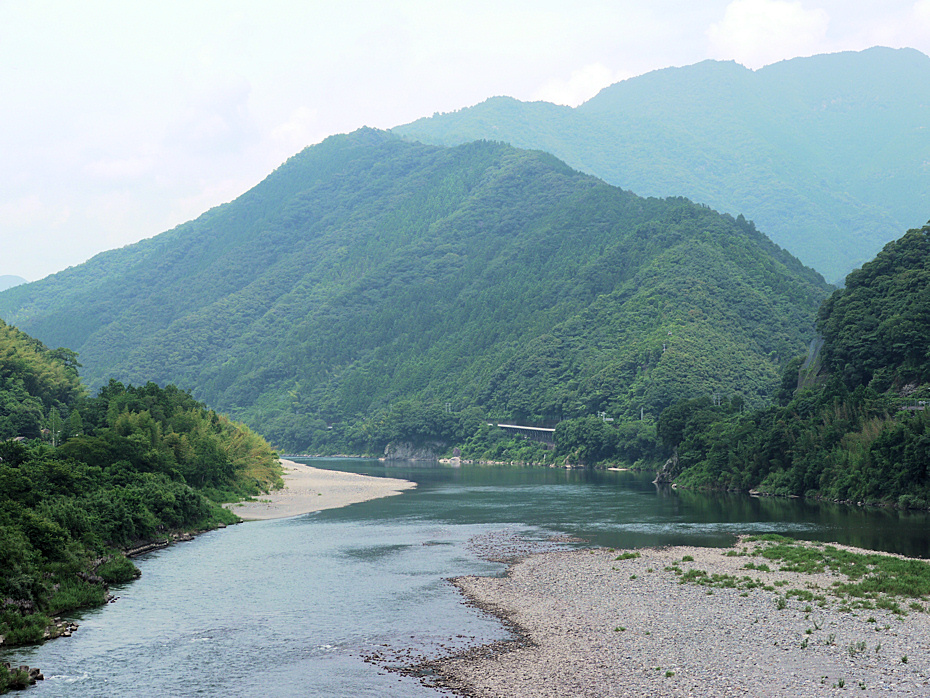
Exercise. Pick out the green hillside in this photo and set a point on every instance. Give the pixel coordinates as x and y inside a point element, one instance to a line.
<point>828,155</point>
<point>369,271</point>
<point>860,429</point>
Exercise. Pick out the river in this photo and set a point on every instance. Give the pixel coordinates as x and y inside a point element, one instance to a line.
<point>292,607</point>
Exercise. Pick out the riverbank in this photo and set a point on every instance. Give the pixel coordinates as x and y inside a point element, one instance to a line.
<point>308,489</point>
<point>657,622</point>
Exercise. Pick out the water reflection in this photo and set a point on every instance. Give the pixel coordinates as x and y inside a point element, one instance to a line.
<point>625,509</point>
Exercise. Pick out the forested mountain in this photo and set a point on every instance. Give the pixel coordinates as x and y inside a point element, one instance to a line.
<point>368,271</point>
<point>859,428</point>
<point>83,478</point>
<point>828,155</point>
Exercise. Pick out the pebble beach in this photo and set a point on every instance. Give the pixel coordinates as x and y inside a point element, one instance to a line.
<point>586,623</point>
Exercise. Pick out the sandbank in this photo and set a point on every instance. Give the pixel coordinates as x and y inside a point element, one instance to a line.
<point>589,624</point>
<point>308,489</point>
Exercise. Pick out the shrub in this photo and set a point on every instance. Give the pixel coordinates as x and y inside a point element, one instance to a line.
<point>118,570</point>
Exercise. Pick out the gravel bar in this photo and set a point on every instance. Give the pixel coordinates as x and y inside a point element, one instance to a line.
<point>586,623</point>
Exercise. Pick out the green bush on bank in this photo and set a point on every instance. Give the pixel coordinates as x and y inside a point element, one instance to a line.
<point>13,679</point>
<point>118,570</point>
<point>127,466</point>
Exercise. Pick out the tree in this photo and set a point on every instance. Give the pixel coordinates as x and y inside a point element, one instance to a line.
<point>74,426</point>
<point>55,425</point>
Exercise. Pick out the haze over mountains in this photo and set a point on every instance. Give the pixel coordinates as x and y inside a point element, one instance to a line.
<point>829,155</point>
<point>9,281</point>
<point>369,270</point>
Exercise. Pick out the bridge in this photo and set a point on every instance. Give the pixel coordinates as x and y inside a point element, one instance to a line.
<point>533,433</point>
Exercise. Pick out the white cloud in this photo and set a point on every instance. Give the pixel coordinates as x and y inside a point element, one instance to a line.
<point>759,32</point>
<point>922,12</point>
<point>217,119</point>
<point>120,168</point>
<point>580,87</point>
<point>299,130</point>
<point>31,210</point>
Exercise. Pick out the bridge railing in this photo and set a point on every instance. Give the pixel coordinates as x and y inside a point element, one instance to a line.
<point>534,433</point>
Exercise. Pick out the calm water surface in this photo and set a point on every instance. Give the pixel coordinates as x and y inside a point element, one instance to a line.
<point>291,607</point>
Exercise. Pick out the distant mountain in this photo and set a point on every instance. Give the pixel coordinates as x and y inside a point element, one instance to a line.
<point>830,155</point>
<point>369,270</point>
<point>9,281</point>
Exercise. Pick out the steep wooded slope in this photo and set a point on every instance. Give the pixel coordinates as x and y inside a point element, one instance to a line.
<point>368,270</point>
<point>861,430</point>
<point>828,155</point>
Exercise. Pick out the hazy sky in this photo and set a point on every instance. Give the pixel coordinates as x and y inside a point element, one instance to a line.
<point>122,119</point>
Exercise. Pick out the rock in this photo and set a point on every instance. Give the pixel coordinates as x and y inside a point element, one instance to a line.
<point>669,470</point>
<point>402,450</point>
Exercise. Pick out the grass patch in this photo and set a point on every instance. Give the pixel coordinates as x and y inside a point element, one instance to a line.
<point>872,580</point>
<point>627,556</point>
<point>75,593</point>
<point>856,648</point>
<point>800,594</point>
<point>694,576</point>
<point>762,567</point>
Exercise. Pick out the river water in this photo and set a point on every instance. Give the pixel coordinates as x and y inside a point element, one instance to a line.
<point>292,607</point>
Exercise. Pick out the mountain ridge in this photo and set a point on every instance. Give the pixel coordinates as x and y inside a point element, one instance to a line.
<point>827,154</point>
<point>369,270</point>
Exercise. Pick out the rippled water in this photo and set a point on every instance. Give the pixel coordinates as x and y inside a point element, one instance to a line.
<point>292,607</point>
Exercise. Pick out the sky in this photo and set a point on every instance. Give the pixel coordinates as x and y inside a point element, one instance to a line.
<point>120,120</point>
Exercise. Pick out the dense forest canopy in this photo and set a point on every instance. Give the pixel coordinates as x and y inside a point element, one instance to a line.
<point>827,154</point>
<point>82,478</point>
<point>369,272</point>
<point>877,328</point>
<point>858,430</point>
<point>33,381</point>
